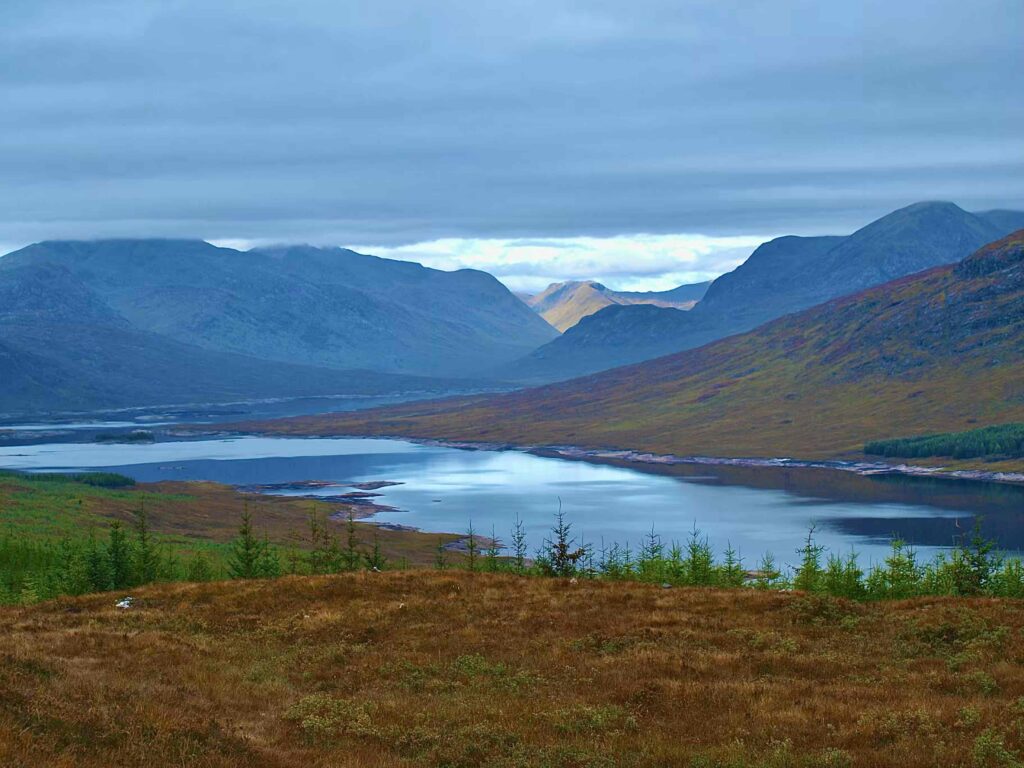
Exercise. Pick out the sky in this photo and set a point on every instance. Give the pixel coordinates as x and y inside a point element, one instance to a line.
<point>642,144</point>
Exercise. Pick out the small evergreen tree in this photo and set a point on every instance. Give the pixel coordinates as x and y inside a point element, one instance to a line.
<point>518,546</point>
<point>72,574</point>
<point>316,558</point>
<point>974,561</point>
<point>147,558</point>
<point>352,558</point>
<point>119,558</point>
<point>651,557</point>
<point>97,567</point>
<point>441,556</point>
<point>611,562</point>
<point>325,555</point>
<point>375,559</point>
<point>809,573</point>
<point>169,566</point>
<point>198,568</point>
<point>699,562</point>
<point>843,577</point>
<point>768,573</point>
<point>491,554</point>
<point>559,555</point>
<point>900,577</point>
<point>731,574</point>
<point>471,548</point>
<point>246,557</point>
<point>269,564</point>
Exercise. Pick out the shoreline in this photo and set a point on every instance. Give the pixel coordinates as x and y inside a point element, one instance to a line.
<point>861,468</point>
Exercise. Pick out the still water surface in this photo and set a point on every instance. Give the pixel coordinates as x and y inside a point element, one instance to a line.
<point>442,489</point>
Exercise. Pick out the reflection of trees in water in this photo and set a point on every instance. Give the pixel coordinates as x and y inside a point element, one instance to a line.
<point>1007,531</point>
<point>835,485</point>
<point>1000,505</point>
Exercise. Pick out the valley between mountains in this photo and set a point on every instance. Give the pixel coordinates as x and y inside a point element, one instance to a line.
<point>938,351</point>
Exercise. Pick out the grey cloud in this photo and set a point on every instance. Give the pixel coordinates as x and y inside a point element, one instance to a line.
<point>391,122</point>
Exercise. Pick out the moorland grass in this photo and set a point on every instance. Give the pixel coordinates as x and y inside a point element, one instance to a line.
<point>572,658</point>
<point>454,668</point>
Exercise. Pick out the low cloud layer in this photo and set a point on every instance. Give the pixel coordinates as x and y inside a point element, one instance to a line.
<point>624,262</point>
<point>457,121</point>
<point>627,263</point>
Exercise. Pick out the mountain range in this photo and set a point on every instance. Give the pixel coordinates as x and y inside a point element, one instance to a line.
<point>563,305</point>
<point>136,322</point>
<point>937,351</point>
<point>118,323</point>
<point>782,276</point>
<point>64,349</point>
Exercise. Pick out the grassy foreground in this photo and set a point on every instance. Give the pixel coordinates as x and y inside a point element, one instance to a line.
<point>53,528</point>
<point>426,668</point>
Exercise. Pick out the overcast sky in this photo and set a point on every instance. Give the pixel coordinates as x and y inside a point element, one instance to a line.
<point>536,138</point>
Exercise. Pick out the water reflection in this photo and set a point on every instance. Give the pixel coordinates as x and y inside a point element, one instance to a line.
<point>442,489</point>
<point>955,504</point>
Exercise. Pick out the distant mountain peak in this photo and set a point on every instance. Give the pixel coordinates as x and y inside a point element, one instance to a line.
<point>564,304</point>
<point>931,205</point>
<point>785,275</point>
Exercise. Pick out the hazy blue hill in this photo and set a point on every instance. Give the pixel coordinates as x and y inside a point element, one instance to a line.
<point>62,348</point>
<point>782,276</point>
<point>906,241</point>
<point>614,336</point>
<point>1003,220</point>
<point>324,307</point>
<point>681,294</point>
<point>762,286</point>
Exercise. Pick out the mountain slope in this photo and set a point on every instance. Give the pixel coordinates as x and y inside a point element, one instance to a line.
<point>937,351</point>
<point>63,348</point>
<point>785,275</point>
<point>325,307</point>
<point>563,305</point>
<point>616,335</point>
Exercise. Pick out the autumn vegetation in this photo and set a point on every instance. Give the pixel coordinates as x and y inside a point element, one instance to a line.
<point>304,640</point>
<point>74,534</point>
<point>453,668</point>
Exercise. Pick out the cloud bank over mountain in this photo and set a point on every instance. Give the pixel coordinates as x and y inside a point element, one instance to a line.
<point>388,124</point>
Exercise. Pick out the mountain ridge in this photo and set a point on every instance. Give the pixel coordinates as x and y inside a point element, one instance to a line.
<point>78,354</point>
<point>781,276</point>
<point>330,308</point>
<point>71,340</point>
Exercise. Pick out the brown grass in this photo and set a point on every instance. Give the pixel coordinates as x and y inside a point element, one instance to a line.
<point>453,669</point>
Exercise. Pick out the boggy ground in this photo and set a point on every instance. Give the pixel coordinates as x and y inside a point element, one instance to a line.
<point>426,668</point>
